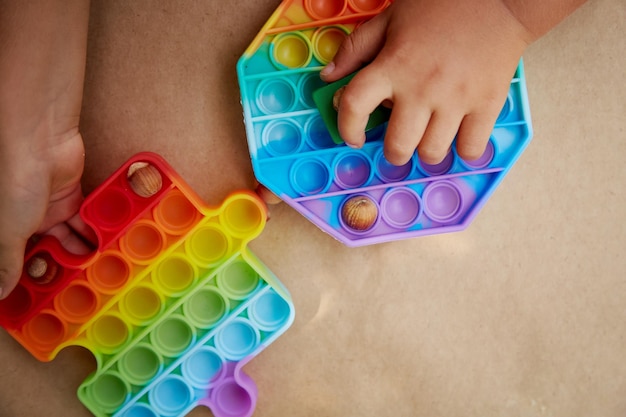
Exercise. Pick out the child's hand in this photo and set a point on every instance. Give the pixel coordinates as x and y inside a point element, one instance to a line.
<point>42,64</point>
<point>445,66</point>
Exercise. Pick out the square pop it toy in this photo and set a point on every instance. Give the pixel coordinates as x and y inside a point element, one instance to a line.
<point>294,155</point>
<point>172,303</point>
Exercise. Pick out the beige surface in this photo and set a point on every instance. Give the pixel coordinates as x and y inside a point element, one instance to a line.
<point>523,314</point>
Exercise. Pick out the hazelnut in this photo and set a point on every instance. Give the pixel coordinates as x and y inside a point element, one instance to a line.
<point>144,179</point>
<point>359,213</point>
<point>41,270</point>
<point>337,97</point>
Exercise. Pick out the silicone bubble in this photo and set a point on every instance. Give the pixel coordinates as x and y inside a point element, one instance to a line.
<point>237,339</point>
<point>310,176</point>
<point>388,172</point>
<point>484,160</point>
<point>291,50</point>
<point>46,329</point>
<point>206,307</point>
<point>203,367</point>
<point>282,137</point>
<point>140,364</point>
<point>401,207</point>
<point>326,41</point>
<point>174,275</point>
<point>269,312</point>
<point>109,333</point>
<point>109,272</point>
<point>139,410</point>
<point>238,280</point>
<point>142,242</point>
<point>368,216</point>
<point>141,305</point>
<point>208,245</point>
<point>308,83</point>
<point>171,396</point>
<point>17,303</point>
<point>77,302</point>
<point>172,336</point>
<point>43,270</point>
<point>109,391</point>
<point>276,95</point>
<point>440,168</point>
<point>317,133</point>
<point>111,208</point>
<point>175,213</point>
<point>243,217</point>
<point>442,201</point>
<point>231,399</point>
<point>353,170</point>
<point>325,9</point>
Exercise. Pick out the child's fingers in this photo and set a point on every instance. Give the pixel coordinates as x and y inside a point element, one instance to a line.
<point>77,224</point>
<point>406,127</point>
<point>473,135</point>
<point>438,137</point>
<point>361,97</point>
<point>11,264</point>
<point>69,239</point>
<point>359,48</point>
<point>62,206</point>
<point>266,195</point>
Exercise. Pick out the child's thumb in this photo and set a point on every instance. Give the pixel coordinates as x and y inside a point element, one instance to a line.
<point>357,49</point>
<point>11,264</point>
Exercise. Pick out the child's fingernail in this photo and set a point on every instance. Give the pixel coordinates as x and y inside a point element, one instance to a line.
<point>353,146</point>
<point>328,69</point>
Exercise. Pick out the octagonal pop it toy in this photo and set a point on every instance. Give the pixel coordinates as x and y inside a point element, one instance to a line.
<point>172,303</point>
<point>295,153</point>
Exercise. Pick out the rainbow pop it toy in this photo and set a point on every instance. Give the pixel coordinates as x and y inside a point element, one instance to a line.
<point>294,155</point>
<point>172,303</point>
